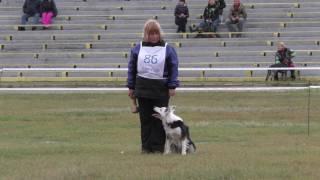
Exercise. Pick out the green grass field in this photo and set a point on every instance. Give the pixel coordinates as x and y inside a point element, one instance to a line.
<point>247,135</point>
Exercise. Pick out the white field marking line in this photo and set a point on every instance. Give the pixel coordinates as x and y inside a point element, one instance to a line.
<point>220,89</point>
<point>246,89</point>
<point>180,69</point>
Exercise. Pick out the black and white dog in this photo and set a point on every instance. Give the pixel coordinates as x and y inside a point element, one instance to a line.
<point>177,133</point>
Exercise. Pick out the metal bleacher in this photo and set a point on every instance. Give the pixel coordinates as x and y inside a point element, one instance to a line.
<point>98,33</point>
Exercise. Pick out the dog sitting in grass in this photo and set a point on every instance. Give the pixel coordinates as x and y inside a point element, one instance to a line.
<point>177,133</point>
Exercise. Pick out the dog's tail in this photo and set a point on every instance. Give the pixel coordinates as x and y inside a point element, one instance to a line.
<point>191,146</point>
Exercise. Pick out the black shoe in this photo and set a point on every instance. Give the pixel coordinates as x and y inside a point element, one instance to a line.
<point>191,30</point>
<point>210,36</point>
<point>33,28</point>
<point>146,151</point>
<point>21,28</point>
<point>293,78</point>
<point>198,35</point>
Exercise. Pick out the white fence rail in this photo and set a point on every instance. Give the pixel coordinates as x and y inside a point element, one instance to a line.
<point>180,69</point>
<point>180,89</point>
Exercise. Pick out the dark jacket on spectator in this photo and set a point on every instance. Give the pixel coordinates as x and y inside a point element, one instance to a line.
<point>179,10</point>
<point>284,56</point>
<point>48,6</point>
<point>211,12</point>
<point>222,5</point>
<point>31,7</point>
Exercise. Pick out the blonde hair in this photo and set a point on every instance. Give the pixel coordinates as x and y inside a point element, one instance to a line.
<point>281,44</point>
<point>151,26</point>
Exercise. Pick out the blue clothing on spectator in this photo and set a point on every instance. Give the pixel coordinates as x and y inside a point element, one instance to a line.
<point>25,17</point>
<point>31,8</point>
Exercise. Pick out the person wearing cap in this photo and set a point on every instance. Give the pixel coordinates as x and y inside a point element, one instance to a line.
<point>236,18</point>
<point>152,80</point>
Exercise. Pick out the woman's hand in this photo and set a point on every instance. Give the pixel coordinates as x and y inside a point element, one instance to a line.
<point>131,93</point>
<point>172,92</point>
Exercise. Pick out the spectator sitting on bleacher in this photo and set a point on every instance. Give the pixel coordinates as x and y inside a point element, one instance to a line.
<point>236,19</point>
<point>283,58</point>
<point>211,19</point>
<point>48,10</point>
<point>221,7</point>
<point>181,14</point>
<point>31,8</point>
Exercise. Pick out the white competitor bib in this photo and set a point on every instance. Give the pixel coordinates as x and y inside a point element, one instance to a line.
<point>151,61</point>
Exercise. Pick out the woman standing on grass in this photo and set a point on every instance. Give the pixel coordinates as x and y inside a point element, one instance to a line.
<point>152,79</point>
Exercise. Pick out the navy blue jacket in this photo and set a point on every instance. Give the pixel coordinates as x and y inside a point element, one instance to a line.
<point>179,10</point>
<point>170,69</point>
<point>31,7</point>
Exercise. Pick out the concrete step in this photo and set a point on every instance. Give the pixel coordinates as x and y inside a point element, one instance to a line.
<point>182,53</point>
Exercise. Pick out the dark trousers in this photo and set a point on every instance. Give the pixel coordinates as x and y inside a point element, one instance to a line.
<point>25,17</point>
<point>181,23</point>
<point>152,133</point>
<point>181,27</point>
<point>235,27</point>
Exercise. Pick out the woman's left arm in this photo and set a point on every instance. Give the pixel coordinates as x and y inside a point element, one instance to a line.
<point>173,64</point>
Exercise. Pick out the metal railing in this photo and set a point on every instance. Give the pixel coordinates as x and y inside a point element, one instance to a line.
<point>180,69</point>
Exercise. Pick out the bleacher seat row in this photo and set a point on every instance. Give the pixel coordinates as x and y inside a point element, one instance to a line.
<point>96,33</point>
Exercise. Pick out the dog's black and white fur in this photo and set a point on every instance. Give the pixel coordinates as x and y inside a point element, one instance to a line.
<point>177,133</point>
